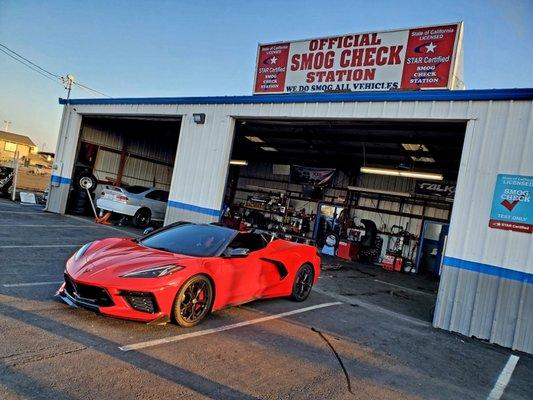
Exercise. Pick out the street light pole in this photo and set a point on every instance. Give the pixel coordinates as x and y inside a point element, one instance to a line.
<point>15,173</point>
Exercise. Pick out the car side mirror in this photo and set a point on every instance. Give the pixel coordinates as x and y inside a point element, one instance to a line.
<point>148,231</point>
<point>239,252</point>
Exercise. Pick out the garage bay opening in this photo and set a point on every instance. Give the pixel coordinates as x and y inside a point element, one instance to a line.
<point>374,196</point>
<point>127,165</point>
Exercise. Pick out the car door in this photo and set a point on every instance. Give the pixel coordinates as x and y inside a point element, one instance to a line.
<point>245,276</point>
<point>154,201</point>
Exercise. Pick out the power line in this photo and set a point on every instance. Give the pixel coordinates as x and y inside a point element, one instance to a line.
<point>29,61</point>
<point>44,72</point>
<point>92,90</point>
<point>30,67</point>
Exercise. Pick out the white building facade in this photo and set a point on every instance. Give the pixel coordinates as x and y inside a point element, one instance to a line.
<point>486,288</point>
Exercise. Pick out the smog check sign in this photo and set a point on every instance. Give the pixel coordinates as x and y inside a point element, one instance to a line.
<point>512,206</point>
<point>418,58</point>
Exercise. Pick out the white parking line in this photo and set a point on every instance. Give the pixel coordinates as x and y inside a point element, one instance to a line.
<point>31,284</point>
<point>39,246</point>
<point>204,332</point>
<point>504,378</point>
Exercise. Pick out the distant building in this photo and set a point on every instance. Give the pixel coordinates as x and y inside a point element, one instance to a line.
<point>12,142</point>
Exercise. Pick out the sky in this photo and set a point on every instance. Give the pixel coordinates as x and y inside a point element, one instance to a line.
<point>208,48</point>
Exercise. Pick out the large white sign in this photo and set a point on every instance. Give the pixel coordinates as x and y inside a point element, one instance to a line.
<point>419,58</point>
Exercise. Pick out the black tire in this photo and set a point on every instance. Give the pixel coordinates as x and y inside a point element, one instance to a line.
<point>303,283</point>
<point>85,180</point>
<point>193,301</point>
<point>80,203</point>
<point>79,194</point>
<point>142,218</point>
<point>79,210</point>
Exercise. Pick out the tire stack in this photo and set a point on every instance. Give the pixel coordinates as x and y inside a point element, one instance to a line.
<point>78,203</point>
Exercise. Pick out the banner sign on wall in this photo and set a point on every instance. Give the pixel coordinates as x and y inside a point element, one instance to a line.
<point>512,208</point>
<point>312,176</point>
<point>439,189</point>
<point>419,58</point>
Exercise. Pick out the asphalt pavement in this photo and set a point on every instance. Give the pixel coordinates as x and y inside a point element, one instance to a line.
<point>342,343</point>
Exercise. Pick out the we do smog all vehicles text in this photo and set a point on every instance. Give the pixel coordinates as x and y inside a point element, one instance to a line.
<point>420,58</point>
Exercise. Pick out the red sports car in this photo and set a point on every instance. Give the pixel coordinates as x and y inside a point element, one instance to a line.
<point>183,271</point>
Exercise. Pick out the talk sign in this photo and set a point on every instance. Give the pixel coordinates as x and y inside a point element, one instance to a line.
<point>420,58</point>
<point>512,207</point>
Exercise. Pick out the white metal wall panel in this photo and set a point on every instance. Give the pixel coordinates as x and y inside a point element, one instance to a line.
<point>151,148</point>
<point>146,173</point>
<point>498,309</point>
<point>102,137</point>
<point>106,165</point>
<point>63,166</point>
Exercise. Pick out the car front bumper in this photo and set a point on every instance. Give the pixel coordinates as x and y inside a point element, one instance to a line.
<point>149,306</point>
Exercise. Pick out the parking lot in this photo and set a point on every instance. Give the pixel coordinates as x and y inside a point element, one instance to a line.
<point>360,340</point>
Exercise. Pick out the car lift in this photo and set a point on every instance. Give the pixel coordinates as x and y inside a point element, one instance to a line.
<point>104,219</point>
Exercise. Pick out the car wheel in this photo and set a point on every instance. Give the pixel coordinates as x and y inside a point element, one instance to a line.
<point>142,218</point>
<point>303,283</point>
<point>85,180</point>
<point>193,301</point>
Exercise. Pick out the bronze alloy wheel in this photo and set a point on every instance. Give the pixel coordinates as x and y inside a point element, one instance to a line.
<point>303,283</point>
<point>193,301</point>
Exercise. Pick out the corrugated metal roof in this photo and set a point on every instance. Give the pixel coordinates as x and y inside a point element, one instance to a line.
<point>428,95</point>
<point>16,138</point>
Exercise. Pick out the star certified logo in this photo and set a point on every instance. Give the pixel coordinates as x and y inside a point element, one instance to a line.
<point>430,48</point>
<point>273,60</point>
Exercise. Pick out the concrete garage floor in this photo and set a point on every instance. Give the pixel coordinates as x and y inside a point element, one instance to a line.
<point>408,294</point>
<point>48,350</point>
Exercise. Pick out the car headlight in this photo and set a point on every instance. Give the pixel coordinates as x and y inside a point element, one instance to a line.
<point>82,251</point>
<point>155,272</point>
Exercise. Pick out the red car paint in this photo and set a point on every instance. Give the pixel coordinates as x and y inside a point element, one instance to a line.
<point>235,280</point>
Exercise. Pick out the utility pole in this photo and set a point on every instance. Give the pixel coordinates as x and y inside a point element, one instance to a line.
<point>7,124</point>
<point>68,81</point>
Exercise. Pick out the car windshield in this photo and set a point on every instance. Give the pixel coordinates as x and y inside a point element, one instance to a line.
<point>191,240</point>
<point>135,189</point>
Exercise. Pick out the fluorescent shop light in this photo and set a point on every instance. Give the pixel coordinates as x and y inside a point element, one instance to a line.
<point>414,147</point>
<point>238,162</point>
<point>423,159</point>
<point>367,190</point>
<point>266,148</point>
<point>255,139</point>
<point>404,174</point>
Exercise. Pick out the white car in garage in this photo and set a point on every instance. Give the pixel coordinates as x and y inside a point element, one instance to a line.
<point>142,204</point>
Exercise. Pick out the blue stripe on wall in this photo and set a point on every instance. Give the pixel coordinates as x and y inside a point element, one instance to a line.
<point>488,269</point>
<point>61,180</point>
<point>191,207</point>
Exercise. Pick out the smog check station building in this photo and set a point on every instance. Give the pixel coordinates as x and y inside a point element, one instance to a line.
<point>444,176</point>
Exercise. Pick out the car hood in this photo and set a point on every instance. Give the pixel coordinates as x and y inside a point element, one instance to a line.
<point>115,257</point>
